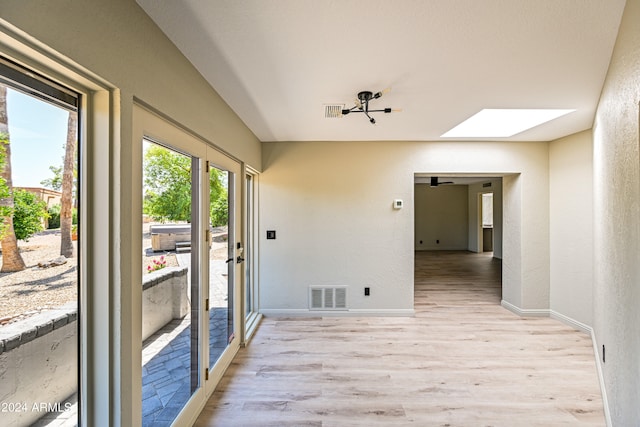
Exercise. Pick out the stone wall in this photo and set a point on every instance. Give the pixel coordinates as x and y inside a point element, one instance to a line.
<point>39,355</point>
<point>38,365</point>
<point>165,297</point>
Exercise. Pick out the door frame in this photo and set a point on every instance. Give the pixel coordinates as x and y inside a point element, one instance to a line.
<point>250,230</point>
<point>223,162</point>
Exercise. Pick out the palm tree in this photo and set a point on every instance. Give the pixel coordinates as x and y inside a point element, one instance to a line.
<point>11,258</point>
<point>66,202</point>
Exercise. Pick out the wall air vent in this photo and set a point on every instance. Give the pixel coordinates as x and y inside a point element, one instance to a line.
<point>327,298</point>
<point>333,111</point>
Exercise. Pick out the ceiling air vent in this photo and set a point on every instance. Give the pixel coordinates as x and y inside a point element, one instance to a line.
<point>333,111</point>
<point>327,298</point>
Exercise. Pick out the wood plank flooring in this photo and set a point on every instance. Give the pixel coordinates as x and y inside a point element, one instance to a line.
<point>463,360</point>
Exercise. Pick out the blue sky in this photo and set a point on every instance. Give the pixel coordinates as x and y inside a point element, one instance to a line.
<point>38,132</point>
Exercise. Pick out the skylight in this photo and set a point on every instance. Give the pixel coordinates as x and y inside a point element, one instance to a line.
<point>503,123</point>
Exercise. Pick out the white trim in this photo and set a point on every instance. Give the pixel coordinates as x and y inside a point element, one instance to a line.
<point>274,312</point>
<point>525,312</point>
<point>603,390</point>
<point>570,322</point>
<point>99,364</point>
<point>251,326</point>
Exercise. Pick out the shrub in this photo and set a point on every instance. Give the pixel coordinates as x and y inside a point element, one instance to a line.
<point>54,217</point>
<point>28,214</point>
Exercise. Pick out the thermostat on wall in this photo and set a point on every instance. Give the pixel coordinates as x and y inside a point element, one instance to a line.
<point>397,204</point>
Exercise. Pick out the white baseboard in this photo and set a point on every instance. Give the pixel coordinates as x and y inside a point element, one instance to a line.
<point>270,312</point>
<point>525,312</point>
<point>571,322</point>
<point>603,390</point>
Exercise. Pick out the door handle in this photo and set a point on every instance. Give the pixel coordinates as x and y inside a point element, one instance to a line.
<point>229,260</point>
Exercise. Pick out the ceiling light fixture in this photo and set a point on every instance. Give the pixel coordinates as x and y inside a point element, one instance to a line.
<point>503,123</point>
<point>362,105</point>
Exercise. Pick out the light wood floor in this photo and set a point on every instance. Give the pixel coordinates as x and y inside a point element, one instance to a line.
<point>463,360</point>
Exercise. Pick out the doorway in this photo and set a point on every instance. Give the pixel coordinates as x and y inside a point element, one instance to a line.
<point>457,214</point>
<point>485,206</point>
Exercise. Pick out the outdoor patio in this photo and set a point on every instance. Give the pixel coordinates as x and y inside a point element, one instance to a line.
<point>166,367</point>
<point>166,359</point>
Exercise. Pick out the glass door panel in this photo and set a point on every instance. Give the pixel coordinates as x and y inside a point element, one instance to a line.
<point>170,283</point>
<point>221,262</point>
<point>224,266</point>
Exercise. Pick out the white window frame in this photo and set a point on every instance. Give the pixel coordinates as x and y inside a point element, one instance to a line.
<point>99,365</point>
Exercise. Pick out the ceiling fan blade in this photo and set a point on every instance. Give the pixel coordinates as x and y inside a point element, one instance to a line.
<point>434,182</point>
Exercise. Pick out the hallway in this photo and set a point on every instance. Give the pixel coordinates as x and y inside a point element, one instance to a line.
<point>463,360</point>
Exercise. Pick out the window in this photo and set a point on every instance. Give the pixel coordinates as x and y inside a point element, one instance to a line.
<point>39,277</point>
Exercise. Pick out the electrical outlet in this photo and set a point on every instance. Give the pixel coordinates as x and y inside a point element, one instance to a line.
<point>367,292</point>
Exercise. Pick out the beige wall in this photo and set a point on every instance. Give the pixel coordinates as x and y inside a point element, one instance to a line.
<point>441,217</point>
<point>331,205</point>
<point>617,223</point>
<point>571,226</point>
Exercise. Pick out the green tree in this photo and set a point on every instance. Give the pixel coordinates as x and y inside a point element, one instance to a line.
<point>54,183</point>
<point>220,210</point>
<point>28,212</point>
<point>167,186</point>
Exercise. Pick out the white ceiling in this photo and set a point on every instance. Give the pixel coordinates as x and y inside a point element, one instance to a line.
<point>278,62</point>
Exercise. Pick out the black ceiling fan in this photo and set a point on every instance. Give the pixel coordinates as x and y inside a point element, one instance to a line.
<point>434,182</point>
<point>362,105</point>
